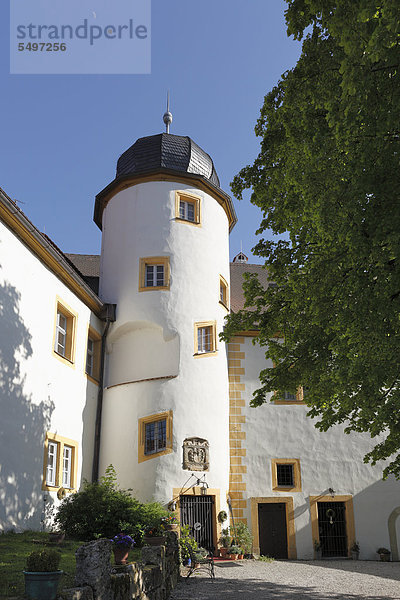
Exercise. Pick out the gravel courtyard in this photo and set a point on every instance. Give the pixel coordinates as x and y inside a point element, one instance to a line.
<point>294,580</point>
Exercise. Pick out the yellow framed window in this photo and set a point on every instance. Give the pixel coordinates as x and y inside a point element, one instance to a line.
<point>64,332</point>
<point>223,292</point>
<point>155,436</point>
<point>60,463</point>
<point>154,273</point>
<point>93,355</point>
<point>286,474</point>
<point>187,208</point>
<point>205,338</point>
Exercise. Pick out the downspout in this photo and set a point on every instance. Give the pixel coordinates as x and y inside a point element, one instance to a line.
<point>108,315</point>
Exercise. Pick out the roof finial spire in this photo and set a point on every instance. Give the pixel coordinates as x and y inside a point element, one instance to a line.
<point>167,118</point>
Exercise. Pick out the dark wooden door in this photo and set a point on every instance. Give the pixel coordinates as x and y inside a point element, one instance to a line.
<point>332,528</point>
<point>273,529</point>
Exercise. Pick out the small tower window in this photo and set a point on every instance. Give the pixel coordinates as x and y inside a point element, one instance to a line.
<point>154,273</point>
<point>205,338</point>
<point>223,292</point>
<point>155,436</point>
<point>187,208</point>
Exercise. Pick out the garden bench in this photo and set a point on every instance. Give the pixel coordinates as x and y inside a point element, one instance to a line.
<point>198,562</point>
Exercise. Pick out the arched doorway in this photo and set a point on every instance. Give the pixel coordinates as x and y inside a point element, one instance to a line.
<point>393,534</point>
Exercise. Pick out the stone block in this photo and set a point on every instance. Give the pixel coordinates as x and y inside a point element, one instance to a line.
<point>81,593</point>
<point>153,555</point>
<point>93,568</point>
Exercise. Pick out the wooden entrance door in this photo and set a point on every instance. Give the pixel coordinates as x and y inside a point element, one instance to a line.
<point>273,529</point>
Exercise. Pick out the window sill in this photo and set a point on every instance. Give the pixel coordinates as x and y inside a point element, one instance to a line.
<point>55,488</point>
<point>154,288</point>
<point>286,488</point>
<point>180,220</point>
<point>200,354</point>
<point>92,379</point>
<point>143,457</point>
<point>64,359</point>
<point>288,402</point>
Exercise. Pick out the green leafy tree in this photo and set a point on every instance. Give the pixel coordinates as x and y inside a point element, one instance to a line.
<point>328,174</point>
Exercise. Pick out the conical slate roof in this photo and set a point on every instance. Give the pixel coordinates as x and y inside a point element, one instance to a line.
<point>174,152</point>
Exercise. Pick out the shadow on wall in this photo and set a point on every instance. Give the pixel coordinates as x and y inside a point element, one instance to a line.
<point>22,424</point>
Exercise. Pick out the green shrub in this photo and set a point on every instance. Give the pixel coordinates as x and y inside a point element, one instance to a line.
<point>43,560</point>
<point>186,540</point>
<point>102,510</point>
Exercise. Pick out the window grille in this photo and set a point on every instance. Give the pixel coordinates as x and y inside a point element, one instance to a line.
<point>285,475</point>
<point>289,397</point>
<point>204,339</point>
<point>155,436</point>
<point>186,211</point>
<point>154,276</point>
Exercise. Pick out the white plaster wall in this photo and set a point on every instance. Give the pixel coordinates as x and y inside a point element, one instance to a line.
<point>140,222</point>
<point>329,459</point>
<point>38,393</point>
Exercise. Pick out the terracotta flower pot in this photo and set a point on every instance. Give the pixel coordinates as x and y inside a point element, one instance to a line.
<point>171,527</point>
<point>120,555</point>
<point>240,556</point>
<point>223,552</point>
<point>234,556</point>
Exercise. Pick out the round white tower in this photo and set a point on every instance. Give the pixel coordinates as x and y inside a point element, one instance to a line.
<point>165,264</point>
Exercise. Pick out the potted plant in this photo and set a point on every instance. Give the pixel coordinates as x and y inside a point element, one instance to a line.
<point>317,550</point>
<point>241,554</point>
<point>225,541</point>
<point>121,544</point>
<point>153,535</point>
<point>244,539</point>
<point>169,523</point>
<point>42,575</point>
<point>186,541</point>
<point>234,551</point>
<point>384,554</point>
<point>355,551</point>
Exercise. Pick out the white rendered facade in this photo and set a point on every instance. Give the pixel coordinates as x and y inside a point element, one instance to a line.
<point>166,268</point>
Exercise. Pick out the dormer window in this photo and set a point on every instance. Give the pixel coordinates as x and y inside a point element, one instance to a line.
<point>240,258</point>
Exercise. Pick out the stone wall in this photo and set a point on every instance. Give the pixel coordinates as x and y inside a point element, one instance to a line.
<point>153,578</point>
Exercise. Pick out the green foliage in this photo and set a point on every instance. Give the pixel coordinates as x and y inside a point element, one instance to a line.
<point>186,540</point>
<point>43,560</point>
<point>101,510</point>
<point>266,558</point>
<point>234,549</point>
<point>328,174</point>
<point>243,538</point>
<point>225,539</point>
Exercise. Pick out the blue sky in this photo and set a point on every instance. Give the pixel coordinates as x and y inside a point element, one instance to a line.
<point>62,134</point>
